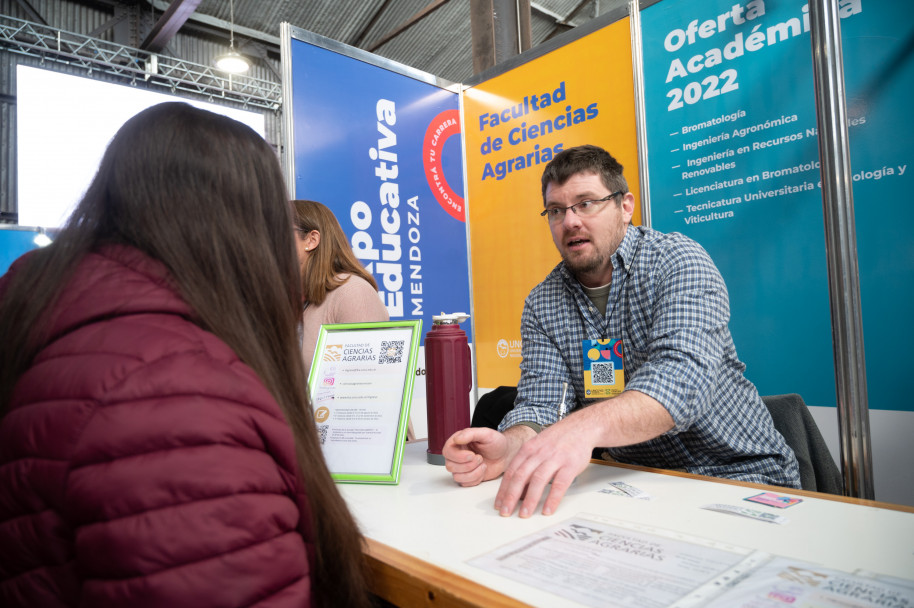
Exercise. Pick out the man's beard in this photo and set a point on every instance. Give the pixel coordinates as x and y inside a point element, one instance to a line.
<point>581,265</point>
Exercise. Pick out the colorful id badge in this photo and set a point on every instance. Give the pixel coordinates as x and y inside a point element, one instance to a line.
<point>604,374</point>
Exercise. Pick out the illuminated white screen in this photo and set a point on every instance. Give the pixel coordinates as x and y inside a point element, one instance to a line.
<point>64,124</point>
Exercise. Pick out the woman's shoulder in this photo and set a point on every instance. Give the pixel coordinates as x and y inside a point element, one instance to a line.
<point>353,284</point>
<point>358,300</point>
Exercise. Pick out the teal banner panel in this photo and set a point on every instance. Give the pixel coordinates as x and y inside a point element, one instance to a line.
<point>878,49</point>
<point>732,143</point>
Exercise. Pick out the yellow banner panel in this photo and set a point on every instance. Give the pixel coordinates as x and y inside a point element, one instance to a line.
<point>581,93</point>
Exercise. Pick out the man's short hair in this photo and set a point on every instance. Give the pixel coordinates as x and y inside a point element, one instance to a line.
<point>584,159</point>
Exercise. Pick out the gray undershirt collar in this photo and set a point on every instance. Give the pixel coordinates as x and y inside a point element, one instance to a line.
<point>598,295</point>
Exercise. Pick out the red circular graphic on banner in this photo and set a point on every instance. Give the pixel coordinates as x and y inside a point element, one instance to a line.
<point>439,130</point>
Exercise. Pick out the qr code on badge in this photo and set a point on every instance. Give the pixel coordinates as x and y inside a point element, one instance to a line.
<point>391,351</point>
<point>322,430</point>
<point>603,373</point>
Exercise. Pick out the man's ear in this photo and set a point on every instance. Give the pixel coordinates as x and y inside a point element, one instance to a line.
<point>628,207</point>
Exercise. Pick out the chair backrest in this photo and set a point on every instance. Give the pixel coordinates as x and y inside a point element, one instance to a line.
<point>493,406</point>
<point>818,471</point>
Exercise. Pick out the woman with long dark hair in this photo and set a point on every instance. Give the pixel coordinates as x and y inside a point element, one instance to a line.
<point>156,441</point>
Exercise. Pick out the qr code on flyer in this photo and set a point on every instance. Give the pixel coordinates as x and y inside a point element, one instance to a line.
<point>391,351</point>
<point>322,430</point>
<point>603,373</point>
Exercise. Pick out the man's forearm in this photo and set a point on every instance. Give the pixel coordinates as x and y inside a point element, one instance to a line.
<point>517,436</point>
<point>630,418</point>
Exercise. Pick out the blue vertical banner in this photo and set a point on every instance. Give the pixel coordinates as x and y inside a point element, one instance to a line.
<point>381,147</point>
<point>734,164</point>
<point>16,241</point>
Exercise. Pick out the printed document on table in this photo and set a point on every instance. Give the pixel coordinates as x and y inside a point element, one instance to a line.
<point>788,582</point>
<point>598,562</point>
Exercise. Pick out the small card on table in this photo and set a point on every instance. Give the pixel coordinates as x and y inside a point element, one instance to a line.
<point>774,500</point>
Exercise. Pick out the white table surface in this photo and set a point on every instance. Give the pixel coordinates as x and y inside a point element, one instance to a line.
<point>430,517</point>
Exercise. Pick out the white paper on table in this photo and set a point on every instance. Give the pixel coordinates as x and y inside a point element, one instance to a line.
<point>596,561</point>
<point>788,582</point>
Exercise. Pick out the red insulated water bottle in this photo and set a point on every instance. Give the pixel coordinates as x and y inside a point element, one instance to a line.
<point>448,381</point>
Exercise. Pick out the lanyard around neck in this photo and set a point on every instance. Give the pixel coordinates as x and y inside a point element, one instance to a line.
<point>603,333</point>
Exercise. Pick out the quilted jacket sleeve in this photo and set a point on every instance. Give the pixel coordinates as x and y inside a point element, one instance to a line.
<point>180,490</point>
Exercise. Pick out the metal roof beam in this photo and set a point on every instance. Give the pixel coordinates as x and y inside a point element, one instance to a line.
<point>360,36</point>
<point>225,25</point>
<point>566,22</point>
<point>542,10</point>
<point>30,10</point>
<point>422,14</point>
<point>107,25</point>
<point>168,25</point>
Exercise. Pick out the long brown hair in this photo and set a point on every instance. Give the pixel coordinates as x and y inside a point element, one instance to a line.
<point>204,195</point>
<point>330,259</point>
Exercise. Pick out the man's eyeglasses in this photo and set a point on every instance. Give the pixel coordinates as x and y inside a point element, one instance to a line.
<point>556,215</point>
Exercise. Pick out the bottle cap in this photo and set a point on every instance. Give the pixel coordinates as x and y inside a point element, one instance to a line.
<point>450,319</point>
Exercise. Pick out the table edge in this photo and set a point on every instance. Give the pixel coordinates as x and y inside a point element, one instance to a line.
<point>778,489</point>
<point>405,580</point>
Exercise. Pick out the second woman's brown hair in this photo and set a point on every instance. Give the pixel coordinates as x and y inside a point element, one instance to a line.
<point>332,258</point>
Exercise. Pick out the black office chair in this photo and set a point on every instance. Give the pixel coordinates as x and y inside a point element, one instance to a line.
<point>493,406</point>
<point>818,472</point>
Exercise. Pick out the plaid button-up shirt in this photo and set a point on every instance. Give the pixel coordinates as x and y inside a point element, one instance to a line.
<point>670,306</point>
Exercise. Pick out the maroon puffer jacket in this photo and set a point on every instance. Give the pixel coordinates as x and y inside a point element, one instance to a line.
<point>142,463</point>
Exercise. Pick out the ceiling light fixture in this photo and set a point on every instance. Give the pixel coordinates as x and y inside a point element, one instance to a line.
<point>232,62</point>
<point>41,239</point>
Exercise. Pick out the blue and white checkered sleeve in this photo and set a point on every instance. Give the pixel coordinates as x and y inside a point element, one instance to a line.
<point>688,336</point>
<point>543,370</point>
